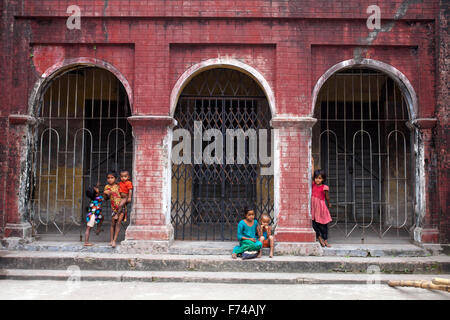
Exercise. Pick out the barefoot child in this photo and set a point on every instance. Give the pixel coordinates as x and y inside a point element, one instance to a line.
<point>112,192</point>
<point>125,190</point>
<point>94,211</point>
<point>246,234</point>
<point>319,211</point>
<point>265,234</point>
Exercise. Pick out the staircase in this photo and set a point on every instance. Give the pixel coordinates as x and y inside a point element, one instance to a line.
<point>172,267</point>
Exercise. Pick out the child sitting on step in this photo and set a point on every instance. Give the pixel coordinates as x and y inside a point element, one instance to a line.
<point>246,234</point>
<point>265,234</point>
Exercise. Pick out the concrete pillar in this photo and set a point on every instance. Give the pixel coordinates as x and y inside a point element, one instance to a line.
<point>427,225</point>
<point>18,177</point>
<point>294,233</point>
<point>150,229</point>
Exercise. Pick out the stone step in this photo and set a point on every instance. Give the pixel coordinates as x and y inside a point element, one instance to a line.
<point>221,263</point>
<point>74,274</point>
<point>224,248</point>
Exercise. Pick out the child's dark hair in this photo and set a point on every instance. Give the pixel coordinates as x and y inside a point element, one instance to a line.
<point>91,193</point>
<point>320,173</point>
<point>112,173</point>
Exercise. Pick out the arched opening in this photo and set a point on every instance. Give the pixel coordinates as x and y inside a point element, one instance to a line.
<point>82,134</point>
<point>363,142</point>
<point>222,112</point>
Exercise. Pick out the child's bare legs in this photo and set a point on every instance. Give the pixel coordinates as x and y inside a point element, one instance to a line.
<point>117,229</point>
<point>86,237</point>
<point>113,228</point>
<point>271,243</point>
<point>117,220</point>
<point>122,204</point>
<point>321,241</point>
<point>261,239</point>
<point>99,227</point>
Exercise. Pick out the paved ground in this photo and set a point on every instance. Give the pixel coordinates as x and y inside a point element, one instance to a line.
<point>43,290</point>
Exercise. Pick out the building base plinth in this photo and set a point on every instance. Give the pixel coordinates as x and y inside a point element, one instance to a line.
<point>18,230</point>
<point>147,239</point>
<point>298,248</point>
<point>144,246</point>
<point>426,235</point>
<point>295,235</point>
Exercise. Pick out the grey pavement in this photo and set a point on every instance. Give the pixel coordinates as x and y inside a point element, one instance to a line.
<point>105,290</point>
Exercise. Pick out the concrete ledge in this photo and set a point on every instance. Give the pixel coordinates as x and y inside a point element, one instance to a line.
<point>220,263</point>
<point>298,249</point>
<point>55,246</point>
<point>208,277</point>
<point>144,246</point>
<point>204,248</point>
<point>375,250</point>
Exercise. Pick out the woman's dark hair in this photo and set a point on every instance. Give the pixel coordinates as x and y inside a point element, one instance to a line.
<point>320,173</point>
<point>90,193</point>
<point>246,210</point>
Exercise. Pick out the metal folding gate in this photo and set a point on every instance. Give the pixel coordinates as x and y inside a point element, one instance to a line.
<point>208,200</point>
<point>362,141</point>
<point>82,134</point>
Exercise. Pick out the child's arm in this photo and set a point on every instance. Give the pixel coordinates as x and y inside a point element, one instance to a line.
<point>327,198</point>
<point>129,196</point>
<point>259,230</point>
<point>106,193</point>
<point>269,231</point>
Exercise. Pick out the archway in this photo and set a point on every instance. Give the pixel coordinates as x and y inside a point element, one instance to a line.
<point>209,195</point>
<point>82,133</point>
<point>363,141</point>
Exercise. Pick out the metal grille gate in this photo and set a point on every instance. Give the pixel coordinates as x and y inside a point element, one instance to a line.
<point>82,133</point>
<point>208,199</point>
<point>363,143</point>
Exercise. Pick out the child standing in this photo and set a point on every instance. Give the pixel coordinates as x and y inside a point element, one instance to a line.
<point>112,192</point>
<point>94,211</point>
<point>319,211</point>
<point>246,234</point>
<point>265,234</point>
<point>125,191</point>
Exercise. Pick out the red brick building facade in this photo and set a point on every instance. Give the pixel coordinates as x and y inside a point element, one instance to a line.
<point>290,49</point>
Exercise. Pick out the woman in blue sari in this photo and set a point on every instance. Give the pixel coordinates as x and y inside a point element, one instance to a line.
<point>246,234</point>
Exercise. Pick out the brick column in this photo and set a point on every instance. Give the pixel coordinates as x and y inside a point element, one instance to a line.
<point>150,229</point>
<point>427,228</point>
<point>18,177</point>
<point>294,233</point>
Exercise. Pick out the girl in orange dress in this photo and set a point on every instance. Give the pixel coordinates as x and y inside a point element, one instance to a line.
<point>111,191</point>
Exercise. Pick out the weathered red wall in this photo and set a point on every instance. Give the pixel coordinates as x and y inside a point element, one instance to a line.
<point>291,43</point>
<point>442,112</point>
